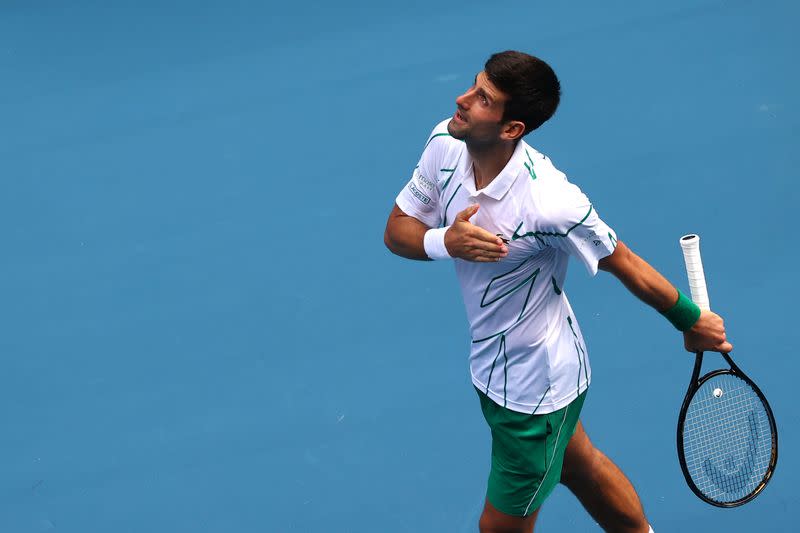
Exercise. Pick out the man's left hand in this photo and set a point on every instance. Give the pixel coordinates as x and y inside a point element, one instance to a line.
<point>707,335</point>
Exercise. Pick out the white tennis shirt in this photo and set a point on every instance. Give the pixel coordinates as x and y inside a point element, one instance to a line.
<point>527,350</point>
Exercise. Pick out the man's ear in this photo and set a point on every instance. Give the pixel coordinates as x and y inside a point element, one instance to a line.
<point>513,130</point>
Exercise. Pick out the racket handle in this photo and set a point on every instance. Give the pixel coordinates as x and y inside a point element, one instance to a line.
<point>694,269</point>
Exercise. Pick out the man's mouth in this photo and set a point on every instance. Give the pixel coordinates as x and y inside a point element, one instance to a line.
<point>460,117</point>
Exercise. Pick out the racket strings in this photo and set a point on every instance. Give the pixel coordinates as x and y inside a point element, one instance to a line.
<point>727,439</point>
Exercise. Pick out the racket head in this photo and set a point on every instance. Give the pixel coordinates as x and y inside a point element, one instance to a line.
<point>727,439</point>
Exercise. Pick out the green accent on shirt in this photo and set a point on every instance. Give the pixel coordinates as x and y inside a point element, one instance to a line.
<point>540,400</point>
<point>538,234</point>
<point>502,349</point>
<point>492,336</point>
<point>447,181</point>
<point>530,167</point>
<point>555,287</point>
<point>530,279</point>
<point>533,275</point>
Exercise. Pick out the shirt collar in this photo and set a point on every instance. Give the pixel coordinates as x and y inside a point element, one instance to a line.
<point>500,185</point>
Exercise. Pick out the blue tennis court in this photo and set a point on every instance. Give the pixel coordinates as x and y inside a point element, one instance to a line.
<point>202,330</point>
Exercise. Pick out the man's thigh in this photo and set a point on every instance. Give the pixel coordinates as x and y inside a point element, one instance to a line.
<point>527,455</point>
<point>579,456</point>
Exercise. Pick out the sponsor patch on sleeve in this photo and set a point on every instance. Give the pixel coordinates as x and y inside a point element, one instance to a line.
<point>422,197</point>
<point>425,183</point>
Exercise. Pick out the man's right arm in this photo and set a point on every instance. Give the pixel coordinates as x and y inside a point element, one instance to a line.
<point>405,236</point>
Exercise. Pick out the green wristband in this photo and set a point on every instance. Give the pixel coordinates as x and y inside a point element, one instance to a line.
<point>683,314</point>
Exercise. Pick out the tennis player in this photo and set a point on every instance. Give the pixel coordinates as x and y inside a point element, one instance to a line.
<point>510,221</point>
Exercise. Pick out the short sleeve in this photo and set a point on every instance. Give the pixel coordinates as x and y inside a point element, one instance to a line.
<point>420,197</point>
<point>577,229</point>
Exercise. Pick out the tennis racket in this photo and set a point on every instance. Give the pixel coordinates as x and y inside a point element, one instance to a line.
<point>727,438</point>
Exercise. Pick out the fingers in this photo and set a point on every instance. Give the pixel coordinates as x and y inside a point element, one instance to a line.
<point>485,255</point>
<point>483,238</point>
<point>716,331</point>
<point>482,250</point>
<point>476,231</point>
<point>495,245</point>
<point>482,253</point>
<point>725,347</point>
<point>486,237</point>
<point>481,259</point>
<point>473,243</point>
<point>700,345</point>
<point>467,213</point>
<point>708,334</point>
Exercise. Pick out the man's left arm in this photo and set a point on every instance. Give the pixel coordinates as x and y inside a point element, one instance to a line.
<point>645,282</point>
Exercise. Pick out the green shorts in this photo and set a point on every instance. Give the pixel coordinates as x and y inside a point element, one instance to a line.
<point>527,454</point>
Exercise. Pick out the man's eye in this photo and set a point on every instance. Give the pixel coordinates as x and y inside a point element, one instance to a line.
<point>484,100</point>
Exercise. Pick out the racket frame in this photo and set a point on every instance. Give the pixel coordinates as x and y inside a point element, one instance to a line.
<point>694,385</point>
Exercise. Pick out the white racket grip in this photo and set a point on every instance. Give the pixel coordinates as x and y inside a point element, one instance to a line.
<point>694,270</point>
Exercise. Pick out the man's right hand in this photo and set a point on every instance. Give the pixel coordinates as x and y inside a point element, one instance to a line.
<point>471,243</point>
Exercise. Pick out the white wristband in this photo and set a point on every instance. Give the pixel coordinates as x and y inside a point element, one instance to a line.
<point>434,243</point>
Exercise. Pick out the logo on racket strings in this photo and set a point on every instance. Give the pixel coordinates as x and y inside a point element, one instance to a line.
<point>729,477</point>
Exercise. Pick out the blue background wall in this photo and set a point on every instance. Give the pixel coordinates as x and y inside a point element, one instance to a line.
<point>202,331</point>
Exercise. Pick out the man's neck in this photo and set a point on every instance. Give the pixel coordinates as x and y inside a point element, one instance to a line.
<point>489,160</point>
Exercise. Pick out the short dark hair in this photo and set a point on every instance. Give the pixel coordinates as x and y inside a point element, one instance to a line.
<point>531,85</point>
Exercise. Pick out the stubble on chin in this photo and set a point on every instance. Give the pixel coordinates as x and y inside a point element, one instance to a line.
<point>453,130</point>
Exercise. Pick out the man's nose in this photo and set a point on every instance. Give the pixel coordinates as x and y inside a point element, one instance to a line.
<point>463,100</point>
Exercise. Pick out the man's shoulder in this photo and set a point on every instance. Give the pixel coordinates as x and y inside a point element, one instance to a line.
<point>545,180</point>
<point>541,168</point>
<point>548,188</point>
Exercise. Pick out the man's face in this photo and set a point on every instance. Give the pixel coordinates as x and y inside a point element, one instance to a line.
<point>479,114</point>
